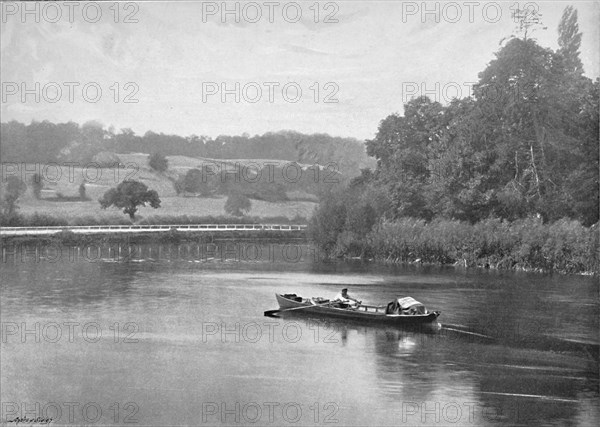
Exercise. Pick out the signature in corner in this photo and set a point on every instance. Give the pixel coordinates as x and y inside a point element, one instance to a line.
<point>26,420</point>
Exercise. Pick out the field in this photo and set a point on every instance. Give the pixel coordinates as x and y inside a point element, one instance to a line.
<point>66,181</point>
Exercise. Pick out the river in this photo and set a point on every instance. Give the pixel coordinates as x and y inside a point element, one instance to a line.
<point>175,335</point>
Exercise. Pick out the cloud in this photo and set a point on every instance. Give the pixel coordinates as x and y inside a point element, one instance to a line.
<point>170,53</point>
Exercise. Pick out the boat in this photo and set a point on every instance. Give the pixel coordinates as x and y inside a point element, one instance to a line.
<point>401,311</point>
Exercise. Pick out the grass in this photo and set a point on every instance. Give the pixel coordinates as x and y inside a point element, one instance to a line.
<point>170,206</point>
<point>100,180</point>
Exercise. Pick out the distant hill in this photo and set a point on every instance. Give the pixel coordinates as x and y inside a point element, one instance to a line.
<point>49,142</point>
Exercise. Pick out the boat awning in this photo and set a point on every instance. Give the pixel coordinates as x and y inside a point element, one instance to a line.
<point>408,302</point>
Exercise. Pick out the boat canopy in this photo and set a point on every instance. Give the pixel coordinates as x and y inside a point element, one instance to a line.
<point>406,305</point>
<point>408,302</point>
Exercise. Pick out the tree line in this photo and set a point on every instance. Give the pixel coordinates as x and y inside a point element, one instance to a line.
<point>54,142</point>
<point>524,145</point>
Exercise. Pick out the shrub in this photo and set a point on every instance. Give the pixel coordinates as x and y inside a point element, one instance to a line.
<point>44,220</point>
<point>11,219</point>
<point>158,162</point>
<point>237,204</point>
<point>565,245</point>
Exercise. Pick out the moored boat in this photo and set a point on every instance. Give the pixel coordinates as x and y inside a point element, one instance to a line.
<point>398,312</point>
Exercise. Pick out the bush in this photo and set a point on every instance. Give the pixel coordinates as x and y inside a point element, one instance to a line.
<point>158,162</point>
<point>222,219</point>
<point>11,219</point>
<point>268,192</point>
<point>565,245</point>
<point>237,204</point>
<point>43,220</point>
<point>106,159</point>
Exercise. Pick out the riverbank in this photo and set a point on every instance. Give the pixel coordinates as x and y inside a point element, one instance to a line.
<point>45,220</point>
<point>67,237</point>
<point>523,245</point>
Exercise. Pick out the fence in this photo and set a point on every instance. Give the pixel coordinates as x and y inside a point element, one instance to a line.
<point>84,229</point>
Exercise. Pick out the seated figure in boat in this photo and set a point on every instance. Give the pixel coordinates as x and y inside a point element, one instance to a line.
<point>345,300</point>
<point>393,308</point>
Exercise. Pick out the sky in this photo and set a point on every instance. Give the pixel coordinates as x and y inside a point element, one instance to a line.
<point>315,67</point>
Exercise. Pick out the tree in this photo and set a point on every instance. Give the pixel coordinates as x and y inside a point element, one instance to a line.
<point>128,195</point>
<point>540,124</point>
<point>569,40</point>
<point>329,220</point>
<point>402,147</point>
<point>237,204</point>
<point>13,190</point>
<point>514,100</point>
<point>195,181</point>
<point>158,162</point>
<point>37,185</point>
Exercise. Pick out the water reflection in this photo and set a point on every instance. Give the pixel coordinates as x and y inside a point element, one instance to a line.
<point>427,375</point>
<point>508,351</point>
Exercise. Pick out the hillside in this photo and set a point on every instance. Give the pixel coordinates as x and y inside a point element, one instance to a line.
<point>59,142</point>
<point>134,166</point>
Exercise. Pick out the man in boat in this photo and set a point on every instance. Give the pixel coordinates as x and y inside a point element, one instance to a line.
<point>345,300</point>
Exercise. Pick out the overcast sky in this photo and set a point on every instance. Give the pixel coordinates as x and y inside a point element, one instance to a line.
<point>175,58</point>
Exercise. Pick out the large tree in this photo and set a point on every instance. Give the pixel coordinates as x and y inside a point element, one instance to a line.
<point>128,195</point>
<point>525,144</point>
<point>540,115</point>
<point>402,148</point>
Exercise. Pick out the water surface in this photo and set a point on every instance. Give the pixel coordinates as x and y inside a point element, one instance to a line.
<point>182,340</point>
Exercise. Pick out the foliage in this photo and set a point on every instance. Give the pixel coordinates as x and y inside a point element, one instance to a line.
<point>262,186</point>
<point>525,144</point>
<point>525,244</point>
<point>195,182</point>
<point>351,212</point>
<point>49,142</point>
<point>37,185</point>
<point>12,190</point>
<point>92,220</point>
<point>106,159</point>
<point>158,162</point>
<point>43,220</point>
<point>237,204</point>
<point>60,197</point>
<point>569,40</point>
<point>522,151</point>
<point>13,219</point>
<point>186,219</point>
<point>128,195</point>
